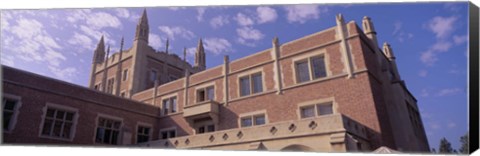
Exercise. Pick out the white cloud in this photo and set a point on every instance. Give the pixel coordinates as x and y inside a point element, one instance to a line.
<point>435,125</point>
<point>429,57</point>
<point>266,14</point>
<point>65,74</point>
<point>396,27</point>
<point>54,58</point>
<point>200,12</point>
<point>172,32</point>
<point>248,36</point>
<point>176,8</point>
<point>219,21</point>
<point>303,13</point>
<point>95,35</point>
<point>155,41</point>
<point>449,91</point>
<point>122,12</point>
<point>217,45</point>
<point>451,124</point>
<point>442,26</point>
<point>460,39</point>
<point>424,93</point>
<point>7,60</point>
<point>81,40</point>
<point>27,28</point>
<point>422,73</point>
<point>103,20</point>
<point>243,20</point>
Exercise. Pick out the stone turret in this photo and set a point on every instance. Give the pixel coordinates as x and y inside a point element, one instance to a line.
<point>143,29</point>
<point>200,61</point>
<point>369,30</point>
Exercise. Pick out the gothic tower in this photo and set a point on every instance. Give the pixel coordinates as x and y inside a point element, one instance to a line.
<point>98,56</point>
<point>141,33</point>
<point>200,61</point>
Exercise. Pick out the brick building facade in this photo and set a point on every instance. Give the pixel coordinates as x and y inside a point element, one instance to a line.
<point>333,90</point>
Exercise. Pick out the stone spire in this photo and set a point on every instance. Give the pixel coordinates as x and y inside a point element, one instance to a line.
<point>99,52</point>
<point>143,29</point>
<point>166,46</point>
<point>387,50</point>
<point>200,61</point>
<point>369,30</point>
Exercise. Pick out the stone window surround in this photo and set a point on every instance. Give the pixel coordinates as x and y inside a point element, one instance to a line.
<point>247,73</point>
<point>99,85</point>
<point>106,116</point>
<point>125,74</point>
<point>16,111</point>
<point>150,74</point>
<point>143,124</point>
<point>174,128</point>
<point>168,97</point>
<point>307,56</point>
<point>204,86</point>
<point>59,107</point>
<point>113,84</point>
<point>252,114</point>
<point>316,102</point>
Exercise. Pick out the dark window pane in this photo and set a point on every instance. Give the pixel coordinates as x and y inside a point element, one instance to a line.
<point>50,113</point>
<point>146,131</point>
<point>140,130</point>
<point>66,130</point>
<point>57,127</point>
<point>318,65</point>
<point>244,86</point>
<point>109,124</point>
<point>201,95</point>
<point>211,128</point>
<point>100,134</point>
<point>259,120</point>
<point>164,135</point>
<point>303,74</point>
<point>114,137</point>
<point>60,114</point>
<point>9,104</point>
<point>325,109</point>
<point>47,125</point>
<point>172,134</point>
<point>201,130</point>
<point>174,105</point>
<point>210,93</point>
<point>107,136</point>
<point>257,83</point>
<point>69,117</point>
<point>246,122</point>
<point>307,112</point>
<point>101,122</point>
<point>7,116</point>
<point>117,124</point>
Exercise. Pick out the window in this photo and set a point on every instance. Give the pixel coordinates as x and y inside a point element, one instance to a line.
<point>108,131</point>
<point>169,105</point>
<point>58,123</point>
<point>251,84</point>
<point>205,94</point>
<point>172,78</point>
<point>110,83</point>
<point>252,120</point>
<point>125,75</point>
<point>98,86</point>
<point>310,69</point>
<point>165,134</point>
<point>143,134</point>
<point>10,107</point>
<point>316,110</point>
<point>206,128</point>
<point>122,94</point>
<point>153,75</point>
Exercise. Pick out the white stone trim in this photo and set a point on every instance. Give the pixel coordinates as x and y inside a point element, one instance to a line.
<point>59,107</point>
<point>16,110</point>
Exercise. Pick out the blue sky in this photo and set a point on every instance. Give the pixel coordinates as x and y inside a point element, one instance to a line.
<point>428,39</point>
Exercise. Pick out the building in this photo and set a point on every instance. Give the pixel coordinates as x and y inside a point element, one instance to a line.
<point>333,90</point>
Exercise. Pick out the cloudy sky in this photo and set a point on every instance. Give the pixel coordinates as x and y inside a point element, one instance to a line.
<point>428,39</point>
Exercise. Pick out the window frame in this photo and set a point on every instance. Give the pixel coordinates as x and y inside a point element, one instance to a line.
<point>252,116</point>
<point>110,80</point>
<point>145,125</point>
<point>251,84</point>
<point>205,91</point>
<point>167,130</point>
<point>125,75</point>
<point>109,117</point>
<point>171,106</point>
<point>311,68</point>
<point>315,104</point>
<point>16,111</point>
<point>150,75</point>
<point>57,107</point>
